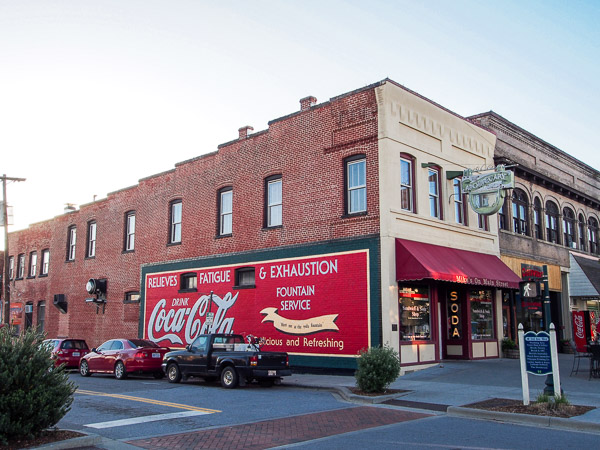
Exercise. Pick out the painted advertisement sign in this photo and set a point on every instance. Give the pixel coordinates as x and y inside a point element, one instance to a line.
<point>316,305</point>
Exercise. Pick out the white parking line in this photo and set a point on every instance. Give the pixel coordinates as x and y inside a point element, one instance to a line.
<point>135,420</point>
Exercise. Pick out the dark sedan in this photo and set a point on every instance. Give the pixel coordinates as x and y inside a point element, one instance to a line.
<point>122,357</point>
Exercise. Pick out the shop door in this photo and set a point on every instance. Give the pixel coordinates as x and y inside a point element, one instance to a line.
<point>455,341</point>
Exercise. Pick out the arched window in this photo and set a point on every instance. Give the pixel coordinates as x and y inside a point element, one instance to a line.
<point>593,235</point>
<point>569,228</point>
<point>460,202</point>
<point>520,205</point>
<point>582,233</point>
<point>537,219</point>
<point>552,222</point>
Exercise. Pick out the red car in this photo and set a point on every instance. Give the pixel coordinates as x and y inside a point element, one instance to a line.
<point>67,351</point>
<point>123,357</point>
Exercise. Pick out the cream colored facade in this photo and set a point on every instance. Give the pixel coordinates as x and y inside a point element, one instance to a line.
<point>413,125</point>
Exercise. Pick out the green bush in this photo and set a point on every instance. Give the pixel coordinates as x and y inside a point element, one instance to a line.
<point>508,344</point>
<point>377,368</point>
<point>34,394</point>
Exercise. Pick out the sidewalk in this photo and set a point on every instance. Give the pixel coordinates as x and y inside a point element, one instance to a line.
<point>453,384</point>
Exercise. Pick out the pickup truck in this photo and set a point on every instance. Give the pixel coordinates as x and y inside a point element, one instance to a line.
<point>228,358</point>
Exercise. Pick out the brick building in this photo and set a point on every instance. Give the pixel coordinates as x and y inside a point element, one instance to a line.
<point>551,219</point>
<point>337,228</point>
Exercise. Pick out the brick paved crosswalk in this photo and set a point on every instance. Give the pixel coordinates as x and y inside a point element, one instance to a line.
<point>285,431</point>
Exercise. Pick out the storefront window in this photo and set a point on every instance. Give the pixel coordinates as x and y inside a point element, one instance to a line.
<point>415,321</point>
<point>482,315</point>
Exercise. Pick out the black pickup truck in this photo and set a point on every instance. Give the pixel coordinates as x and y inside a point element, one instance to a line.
<point>228,358</point>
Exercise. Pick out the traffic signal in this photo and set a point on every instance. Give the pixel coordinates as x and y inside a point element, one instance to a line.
<point>529,289</point>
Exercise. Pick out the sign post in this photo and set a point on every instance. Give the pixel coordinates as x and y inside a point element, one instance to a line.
<point>538,356</point>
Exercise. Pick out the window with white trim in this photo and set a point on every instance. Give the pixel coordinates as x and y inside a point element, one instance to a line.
<point>45,262</point>
<point>225,211</point>
<point>33,264</point>
<point>130,231</point>
<point>91,240</point>
<point>274,201</point>
<point>434,193</point>
<point>71,242</point>
<point>356,185</point>
<point>175,221</point>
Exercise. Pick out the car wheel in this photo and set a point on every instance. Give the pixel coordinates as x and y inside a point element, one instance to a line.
<point>84,369</point>
<point>173,373</point>
<point>120,372</point>
<point>158,375</point>
<point>229,377</point>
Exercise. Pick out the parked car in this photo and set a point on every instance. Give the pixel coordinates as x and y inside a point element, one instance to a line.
<point>67,351</point>
<point>123,357</point>
<point>228,358</point>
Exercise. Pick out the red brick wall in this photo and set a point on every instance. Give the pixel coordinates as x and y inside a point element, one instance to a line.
<point>307,148</point>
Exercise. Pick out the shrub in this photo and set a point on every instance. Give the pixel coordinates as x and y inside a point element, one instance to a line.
<point>35,395</point>
<point>508,344</point>
<point>377,368</point>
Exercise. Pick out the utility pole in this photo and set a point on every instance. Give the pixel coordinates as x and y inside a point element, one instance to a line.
<point>6,281</point>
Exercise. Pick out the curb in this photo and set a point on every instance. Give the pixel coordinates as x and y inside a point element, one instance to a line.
<point>542,421</point>
<point>82,441</point>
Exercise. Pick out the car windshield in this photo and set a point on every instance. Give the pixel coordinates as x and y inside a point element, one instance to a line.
<point>142,343</point>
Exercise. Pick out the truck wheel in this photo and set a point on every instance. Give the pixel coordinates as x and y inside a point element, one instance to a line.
<point>229,377</point>
<point>173,373</point>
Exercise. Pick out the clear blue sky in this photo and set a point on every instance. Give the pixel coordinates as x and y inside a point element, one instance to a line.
<point>95,95</point>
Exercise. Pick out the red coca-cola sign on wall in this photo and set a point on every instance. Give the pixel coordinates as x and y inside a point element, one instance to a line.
<point>311,306</point>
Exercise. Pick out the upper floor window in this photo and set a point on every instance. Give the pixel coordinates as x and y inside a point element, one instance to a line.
<point>129,231</point>
<point>552,222</point>
<point>91,240</point>
<point>71,241</point>
<point>21,265</point>
<point>356,184</point>
<point>11,267</point>
<point>569,228</point>
<point>593,235</point>
<point>483,222</point>
<point>225,211</point>
<point>175,221</point>
<point>520,206</point>
<point>45,262</point>
<point>581,232</point>
<point>33,264</point>
<point>407,176</point>
<point>274,201</point>
<point>460,210</point>
<point>502,222</point>
<point>537,219</point>
<point>434,193</point>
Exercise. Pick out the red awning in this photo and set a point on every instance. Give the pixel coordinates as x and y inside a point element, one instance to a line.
<point>419,261</point>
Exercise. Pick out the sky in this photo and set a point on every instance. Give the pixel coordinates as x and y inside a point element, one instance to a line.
<point>95,95</point>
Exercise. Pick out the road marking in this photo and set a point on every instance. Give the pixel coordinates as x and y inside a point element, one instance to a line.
<point>148,400</point>
<point>144,419</point>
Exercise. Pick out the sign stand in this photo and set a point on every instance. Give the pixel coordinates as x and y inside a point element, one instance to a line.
<point>538,356</point>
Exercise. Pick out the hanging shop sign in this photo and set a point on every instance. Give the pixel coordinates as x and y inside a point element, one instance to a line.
<point>487,189</point>
<point>316,306</point>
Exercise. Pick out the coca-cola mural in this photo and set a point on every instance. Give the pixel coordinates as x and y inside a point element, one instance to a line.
<point>310,306</point>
